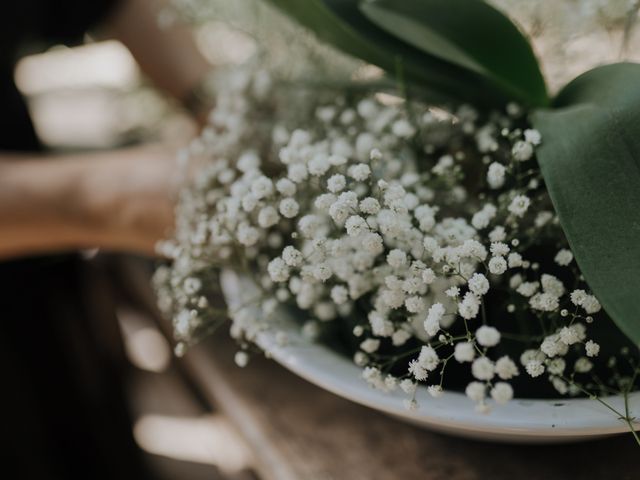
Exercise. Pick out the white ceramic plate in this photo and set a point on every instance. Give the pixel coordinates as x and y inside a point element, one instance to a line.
<point>521,420</point>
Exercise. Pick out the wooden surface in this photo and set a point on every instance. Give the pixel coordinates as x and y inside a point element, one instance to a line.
<point>299,431</point>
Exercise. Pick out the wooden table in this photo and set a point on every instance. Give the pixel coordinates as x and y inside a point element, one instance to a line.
<point>301,432</point>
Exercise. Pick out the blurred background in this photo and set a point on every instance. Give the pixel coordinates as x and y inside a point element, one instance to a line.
<point>93,97</point>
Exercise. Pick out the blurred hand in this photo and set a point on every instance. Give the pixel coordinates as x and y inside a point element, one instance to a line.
<point>132,198</point>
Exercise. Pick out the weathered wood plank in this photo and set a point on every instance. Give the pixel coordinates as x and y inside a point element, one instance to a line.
<point>299,431</point>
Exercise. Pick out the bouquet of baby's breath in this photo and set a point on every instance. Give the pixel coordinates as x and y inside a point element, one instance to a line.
<point>466,246</point>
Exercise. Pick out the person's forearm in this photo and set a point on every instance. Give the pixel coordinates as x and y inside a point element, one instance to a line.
<point>169,57</point>
<point>116,200</point>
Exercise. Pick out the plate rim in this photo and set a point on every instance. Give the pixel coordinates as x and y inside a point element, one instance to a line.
<point>521,419</point>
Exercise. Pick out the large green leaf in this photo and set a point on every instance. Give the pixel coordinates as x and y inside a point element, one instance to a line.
<point>590,160</point>
<point>467,33</point>
<point>341,23</point>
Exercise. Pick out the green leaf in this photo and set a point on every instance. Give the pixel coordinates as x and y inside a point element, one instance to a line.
<point>467,33</point>
<point>590,160</point>
<point>342,24</point>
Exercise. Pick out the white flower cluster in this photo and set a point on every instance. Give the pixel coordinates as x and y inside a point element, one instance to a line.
<point>362,213</point>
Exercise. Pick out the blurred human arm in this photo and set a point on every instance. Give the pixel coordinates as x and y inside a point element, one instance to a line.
<point>117,200</point>
<point>168,56</point>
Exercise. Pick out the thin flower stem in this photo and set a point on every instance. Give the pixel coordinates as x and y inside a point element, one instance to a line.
<point>627,418</point>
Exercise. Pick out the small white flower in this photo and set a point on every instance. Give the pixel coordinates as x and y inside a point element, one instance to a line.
<point>569,335</point>
<point>583,365</point>
<point>560,385</point>
<point>545,302</point>
<point>483,369</point>
<point>444,163</point>
<point>400,337</point>
<point>428,276</point>
<point>428,358</point>
<point>435,391</point>
<point>286,187</point>
<point>356,226</point>
<point>268,217</point>
<point>487,336</point>
<point>322,272</point>
<point>552,346</point>
<point>527,289</point>
<point>372,243</point>
<point>469,307</point>
<point>498,234</point>
<point>474,249</point>
<point>391,382</point>
<point>418,371</point>
<point>375,154</point>
<point>297,172</point>
<point>248,161</point>
<point>578,297</point>
<point>432,322</point>
<point>430,244</point>
<point>369,206</point>
<point>249,202</point>
<point>319,165</point>
<point>591,304</point>
<point>502,392</point>
<point>519,205</point>
<point>564,257</point>
<point>592,348</point>
<point>535,368</point>
<point>506,368</point>
<point>397,258</point>
<point>464,352</point>
<point>452,292</point>
<point>522,151</point>
<point>248,235</point>
<point>496,175</point>
<point>556,366</point>
<point>289,208</point>
<point>262,187</point>
<point>337,160</point>
<point>478,284</point>
<point>475,391</point>
<point>370,345</point>
<point>497,265</point>
<point>408,387</point>
<point>339,294</point>
<point>414,304</point>
<point>367,108</point>
<point>336,183</point>
<point>515,260</point>
<point>278,270</point>
<point>324,201</point>
<point>482,218</point>
<point>309,225</point>
<point>359,172</point>
<point>241,359</point>
<point>499,249</point>
<point>292,257</point>
<point>532,136</point>
<point>552,285</point>
<point>403,129</point>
